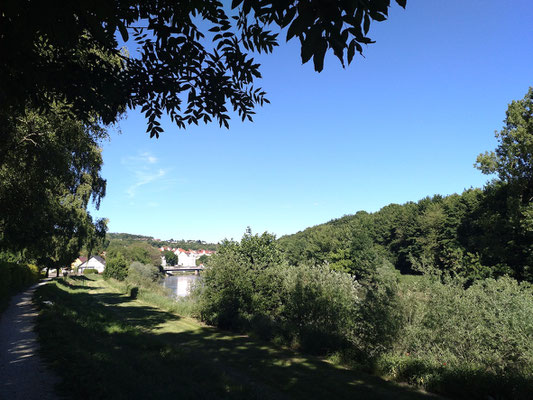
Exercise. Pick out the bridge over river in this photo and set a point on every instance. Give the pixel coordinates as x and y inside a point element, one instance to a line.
<point>171,269</point>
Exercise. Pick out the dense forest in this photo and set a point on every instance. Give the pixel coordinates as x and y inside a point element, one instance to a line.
<point>475,234</point>
<point>478,234</point>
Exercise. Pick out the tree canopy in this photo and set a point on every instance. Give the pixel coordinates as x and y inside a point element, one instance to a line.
<point>475,235</point>
<point>170,258</point>
<point>513,158</point>
<point>188,59</point>
<point>48,176</point>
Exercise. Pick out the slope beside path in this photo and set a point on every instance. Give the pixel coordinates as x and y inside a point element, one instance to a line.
<point>22,373</point>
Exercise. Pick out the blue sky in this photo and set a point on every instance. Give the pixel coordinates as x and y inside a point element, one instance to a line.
<point>406,121</point>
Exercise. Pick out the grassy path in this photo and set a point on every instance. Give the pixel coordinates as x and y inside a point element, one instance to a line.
<point>106,345</point>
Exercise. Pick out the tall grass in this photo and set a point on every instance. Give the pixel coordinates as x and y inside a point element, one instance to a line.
<point>144,281</point>
<point>468,343</point>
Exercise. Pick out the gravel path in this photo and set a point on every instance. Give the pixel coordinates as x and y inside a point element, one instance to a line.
<point>22,373</point>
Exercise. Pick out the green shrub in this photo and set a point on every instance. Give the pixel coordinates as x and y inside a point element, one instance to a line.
<point>455,337</point>
<point>379,316</point>
<point>116,267</point>
<point>143,274</point>
<point>88,271</point>
<point>319,307</point>
<point>226,296</point>
<point>430,331</point>
<point>15,277</point>
<point>311,307</point>
<point>241,286</point>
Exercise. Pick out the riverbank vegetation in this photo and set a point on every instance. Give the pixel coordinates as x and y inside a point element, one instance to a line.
<point>440,333</point>
<point>105,344</point>
<point>436,293</point>
<point>142,281</point>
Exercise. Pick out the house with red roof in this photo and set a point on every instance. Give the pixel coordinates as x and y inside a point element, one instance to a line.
<point>187,258</point>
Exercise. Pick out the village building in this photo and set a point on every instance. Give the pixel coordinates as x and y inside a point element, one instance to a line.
<point>187,258</point>
<point>80,260</point>
<point>95,262</point>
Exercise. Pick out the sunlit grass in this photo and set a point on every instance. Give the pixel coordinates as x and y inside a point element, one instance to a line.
<point>107,345</point>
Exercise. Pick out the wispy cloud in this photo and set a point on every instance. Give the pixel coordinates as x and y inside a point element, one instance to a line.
<point>140,159</point>
<point>149,158</point>
<point>143,178</point>
<point>145,170</point>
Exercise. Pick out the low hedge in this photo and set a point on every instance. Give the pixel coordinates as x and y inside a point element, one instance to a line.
<point>15,277</point>
<point>88,271</point>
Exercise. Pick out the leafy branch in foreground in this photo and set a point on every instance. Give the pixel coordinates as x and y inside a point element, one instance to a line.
<point>189,59</point>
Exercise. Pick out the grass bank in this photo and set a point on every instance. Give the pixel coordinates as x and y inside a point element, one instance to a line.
<point>104,344</point>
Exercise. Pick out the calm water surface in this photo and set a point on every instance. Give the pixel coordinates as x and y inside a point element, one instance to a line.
<point>180,285</point>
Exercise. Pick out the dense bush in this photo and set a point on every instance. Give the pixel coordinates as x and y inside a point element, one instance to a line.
<point>318,307</point>
<point>116,267</point>
<point>379,316</point>
<point>245,287</point>
<point>473,342</point>
<point>225,299</point>
<point>143,274</point>
<point>241,287</point>
<point>433,331</point>
<point>15,277</point>
<point>88,271</point>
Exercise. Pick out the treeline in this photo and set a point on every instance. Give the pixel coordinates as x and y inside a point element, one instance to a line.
<point>143,249</point>
<point>183,243</point>
<point>186,244</point>
<point>127,236</point>
<point>477,234</point>
<point>139,251</point>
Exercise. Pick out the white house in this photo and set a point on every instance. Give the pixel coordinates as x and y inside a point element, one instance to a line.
<point>187,258</point>
<point>95,262</point>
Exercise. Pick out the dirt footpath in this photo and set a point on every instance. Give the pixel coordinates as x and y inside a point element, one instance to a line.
<point>22,373</point>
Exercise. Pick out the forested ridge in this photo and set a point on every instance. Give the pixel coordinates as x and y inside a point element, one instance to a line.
<point>472,234</point>
<point>478,234</point>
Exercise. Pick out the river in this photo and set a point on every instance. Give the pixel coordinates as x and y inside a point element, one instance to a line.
<point>180,285</point>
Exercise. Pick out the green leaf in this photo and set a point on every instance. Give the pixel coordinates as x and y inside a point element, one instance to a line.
<point>366,24</point>
<point>402,3</point>
<point>123,31</point>
<point>320,53</point>
<point>351,51</point>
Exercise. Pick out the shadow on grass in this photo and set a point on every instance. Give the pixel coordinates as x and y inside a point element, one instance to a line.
<point>106,345</point>
<point>76,282</point>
